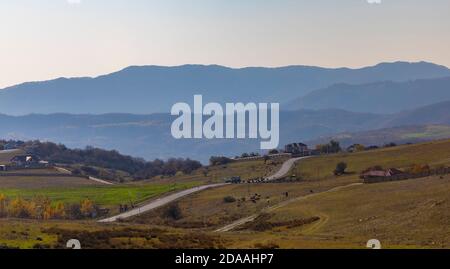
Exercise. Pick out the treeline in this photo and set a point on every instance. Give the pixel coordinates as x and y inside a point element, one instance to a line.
<point>43,208</point>
<point>332,147</point>
<point>138,168</point>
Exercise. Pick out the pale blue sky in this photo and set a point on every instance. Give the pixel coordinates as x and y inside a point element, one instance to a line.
<point>43,39</point>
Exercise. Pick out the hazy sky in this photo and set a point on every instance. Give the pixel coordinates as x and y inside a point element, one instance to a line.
<point>43,39</point>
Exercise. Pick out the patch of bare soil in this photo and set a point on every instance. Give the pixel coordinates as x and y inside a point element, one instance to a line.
<point>262,223</point>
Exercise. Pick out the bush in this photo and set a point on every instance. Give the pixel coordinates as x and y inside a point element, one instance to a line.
<point>229,199</point>
<point>173,212</point>
<point>74,212</point>
<point>390,145</point>
<point>219,160</point>
<point>419,168</point>
<point>340,169</point>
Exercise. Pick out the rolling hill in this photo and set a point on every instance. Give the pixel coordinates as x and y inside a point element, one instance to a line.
<point>438,113</point>
<point>149,136</point>
<point>379,97</point>
<point>154,89</point>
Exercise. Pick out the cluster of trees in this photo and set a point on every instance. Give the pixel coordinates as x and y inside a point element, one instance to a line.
<point>332,147</point>
<point>167,168</point>
<point>43,208</point>
<point>251,154</point>
<point>219,160</point>
<point>274,151</point>
<point>138,168</point>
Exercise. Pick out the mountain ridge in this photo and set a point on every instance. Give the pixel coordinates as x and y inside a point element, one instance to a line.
<point>154,89</point>
<point>382,97</point>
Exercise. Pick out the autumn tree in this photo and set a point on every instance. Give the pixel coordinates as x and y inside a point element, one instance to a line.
<point>3,202</point>
<point>87,208</point>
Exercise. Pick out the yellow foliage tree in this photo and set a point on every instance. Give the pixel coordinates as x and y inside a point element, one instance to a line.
<point>2,205</point>
<point>87,208</point>
<point>59,211</point>
<point>21,208</point>
<point>419,168</point>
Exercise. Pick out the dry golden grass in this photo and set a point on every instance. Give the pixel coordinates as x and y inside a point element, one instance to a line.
<point>209,210</point>
<point>434,153</point>
<point>244,169</point>
<point>404,214</point>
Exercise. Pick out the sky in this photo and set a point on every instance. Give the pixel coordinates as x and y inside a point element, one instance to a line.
<point>46,39</point>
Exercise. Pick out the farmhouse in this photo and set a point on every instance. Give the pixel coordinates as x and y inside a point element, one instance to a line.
<point>24,160</point>
<point>381,173</point>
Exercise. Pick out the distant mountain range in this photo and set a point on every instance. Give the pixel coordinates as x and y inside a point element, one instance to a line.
<point>128,110</point>
<point>398,135</point>
<point>379,97</point>
<point>154,89</point>
<point>149,136</point>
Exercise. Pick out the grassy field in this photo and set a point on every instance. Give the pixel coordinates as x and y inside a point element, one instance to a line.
<point>208,210</point>
<point>35,183</point>
<point>430,131</point>
<point>432,153</point>
<point>244,169</point>
<point>102,195</point>
<point>404,214</point>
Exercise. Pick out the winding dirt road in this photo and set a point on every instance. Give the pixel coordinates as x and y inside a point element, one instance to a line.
<point>161,202</point>
<point>285,168</point>
<point>251,218</point>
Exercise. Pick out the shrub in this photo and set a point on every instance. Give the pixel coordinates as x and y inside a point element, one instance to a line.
<point>340,169</point>
<point>87,208</point>
<point>418,169</point>
<point>229,199</point>
<point>74,211</point>
<point>219,160</point>
<point>173,212</point>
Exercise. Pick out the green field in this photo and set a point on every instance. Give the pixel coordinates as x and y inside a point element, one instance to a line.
<point>102,195</point>
<point>430,132</point>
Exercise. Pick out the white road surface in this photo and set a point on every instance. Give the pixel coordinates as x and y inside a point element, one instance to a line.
<point>285,168</point>
<point>101,181</point>
<point>161,202</point>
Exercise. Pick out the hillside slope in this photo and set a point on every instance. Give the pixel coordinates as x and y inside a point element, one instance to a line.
<point>149,136</point>
<point>380,97</point>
